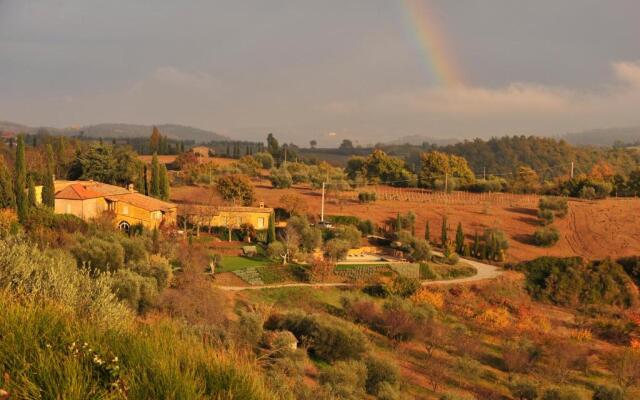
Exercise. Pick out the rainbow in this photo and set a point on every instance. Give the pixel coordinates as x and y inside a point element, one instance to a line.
<point>430,40</point>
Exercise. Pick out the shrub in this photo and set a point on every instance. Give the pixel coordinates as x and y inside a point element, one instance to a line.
<point>380,371</point>
<point>139,292</point>
<point>345,379</point>
<point>328,338</point>
<point>546,237</point>
<point>337,249</point>
<point>367,197</point>
<point>366,227</point>
<point>134,249</point>
<point>404,287</point>
<point>608,393</point>
<point>99,254</point>
<point>280,178</point>
<point>524,390</point>
<point>557,205</point>
<point>546,217</point>
<point>421,251</point>
<point>42,276</point>
<point>156,267</point>
<point>265,159</point>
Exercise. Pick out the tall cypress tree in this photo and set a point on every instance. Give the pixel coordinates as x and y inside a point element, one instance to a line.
<point>31,192</point>
<point>271,232</point>
<point>48,188</point>
<point>398,223</point>
<point>459,239</point>
<point>476,245</point>
<point>20,183</point>
<point>7,195</point>
<point>155,176</point>
<point>427,232</point>
<point>164,183</point>
<point>444,235</point>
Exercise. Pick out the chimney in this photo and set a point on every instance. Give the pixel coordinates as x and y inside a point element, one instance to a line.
<point>130,187</point>
<point>262,204</point>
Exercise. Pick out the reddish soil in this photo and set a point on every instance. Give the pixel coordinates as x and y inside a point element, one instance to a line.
<point>592,229</point>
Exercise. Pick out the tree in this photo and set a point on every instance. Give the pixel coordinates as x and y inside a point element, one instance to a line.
<point>273,147</point>
<point>346,145</point>
<point>436,165</point>
<point>20,181</point>
<point>154,140</point>
<point>444,238</point>
<point>459,239</point>
<point>294,204</point>
<point>280,178</point>
<point>7,195</point>
<point>476,246</point>
<point>313,143</point>
<point>427,233</point>
<point>320,269</point>
<point>164,183</point>
<point>155,176</point>
<point>48,188</point>
<point>31,192</point>
<point>236,188</point>
<point>271,229</point>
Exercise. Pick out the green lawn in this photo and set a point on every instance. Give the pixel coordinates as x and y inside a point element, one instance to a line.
<point>232,263</point>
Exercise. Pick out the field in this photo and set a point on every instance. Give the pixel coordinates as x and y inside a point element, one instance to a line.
<point>592,229</point>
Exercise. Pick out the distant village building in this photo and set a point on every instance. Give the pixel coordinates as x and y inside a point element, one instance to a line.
<point>227,216</point>
<point>203,151</point>
<point>8,137</point>
<point>88,199</point>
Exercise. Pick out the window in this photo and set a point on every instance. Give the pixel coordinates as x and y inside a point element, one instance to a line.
<point>260,222</point>
<point>157,215</point>
<point>125,210</point>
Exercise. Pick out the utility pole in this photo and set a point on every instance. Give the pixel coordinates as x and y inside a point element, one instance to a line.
<point>322,206</point>
<point>571,169</point>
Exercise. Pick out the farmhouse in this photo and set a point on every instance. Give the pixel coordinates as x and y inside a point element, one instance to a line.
<point>227,216</point>
<point>88,199</point>
<point>202,151</point>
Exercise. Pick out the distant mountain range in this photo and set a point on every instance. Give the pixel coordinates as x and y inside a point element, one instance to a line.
<point>111,130</point>
<point>604,137</point>
<point>417,140</point>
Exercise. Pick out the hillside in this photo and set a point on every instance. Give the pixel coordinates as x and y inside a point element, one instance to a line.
<point>418,140</point>
<point>605,137</point>
<point>111,130</point>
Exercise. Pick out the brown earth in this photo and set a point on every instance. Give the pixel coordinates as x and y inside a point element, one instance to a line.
<point>592,229</point>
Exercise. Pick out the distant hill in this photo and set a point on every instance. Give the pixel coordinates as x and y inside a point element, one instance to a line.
<point>418,140</point>
<point>605,137</point>
<point>111,130</point>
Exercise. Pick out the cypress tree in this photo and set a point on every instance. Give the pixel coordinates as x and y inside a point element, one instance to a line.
<point>164,183</point>
<point>476,246</point>
<point>7,195</point>
<point>48,189</point>
<point>398,223</point>
<point>31,192</point>
<point>271,232</point>
<point>444,235</point>
<point>459,239</point>
<point>146,181</point>
<point>20,183</point>
<point>155,176</point>
<point>427,233</point>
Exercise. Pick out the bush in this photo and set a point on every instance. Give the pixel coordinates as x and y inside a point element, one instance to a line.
<point>404,287</point>
<point>99,254</point>
<point>557,205</point>
<point>380,371</point>
<point>345,379</point>
<point>485,186</point>
<point>44,276</point>
<point>421,251</point>
<point>139,292</point>
<point>608,393</point>
<point>367,197</point>
<point>134,249</point>
<point>280,178</point>
<point>366,227</point>
<point>328,338</point>
<point>524,390</point>
<point>337,249</point>
<point>156,267</point>
<point>546,217</point>
<point>546,237</point>
<point>265,159</point>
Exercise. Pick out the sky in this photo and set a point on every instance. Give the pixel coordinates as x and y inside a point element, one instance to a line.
<point>365,70</point>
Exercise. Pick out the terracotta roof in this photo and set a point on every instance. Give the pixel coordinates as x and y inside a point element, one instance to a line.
<point>142,201</point>
<point>244,209</point>
<point>77,191</point>
<point>108,190</point>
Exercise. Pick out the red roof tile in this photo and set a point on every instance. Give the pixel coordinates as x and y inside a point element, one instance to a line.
<point>77,191</point>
